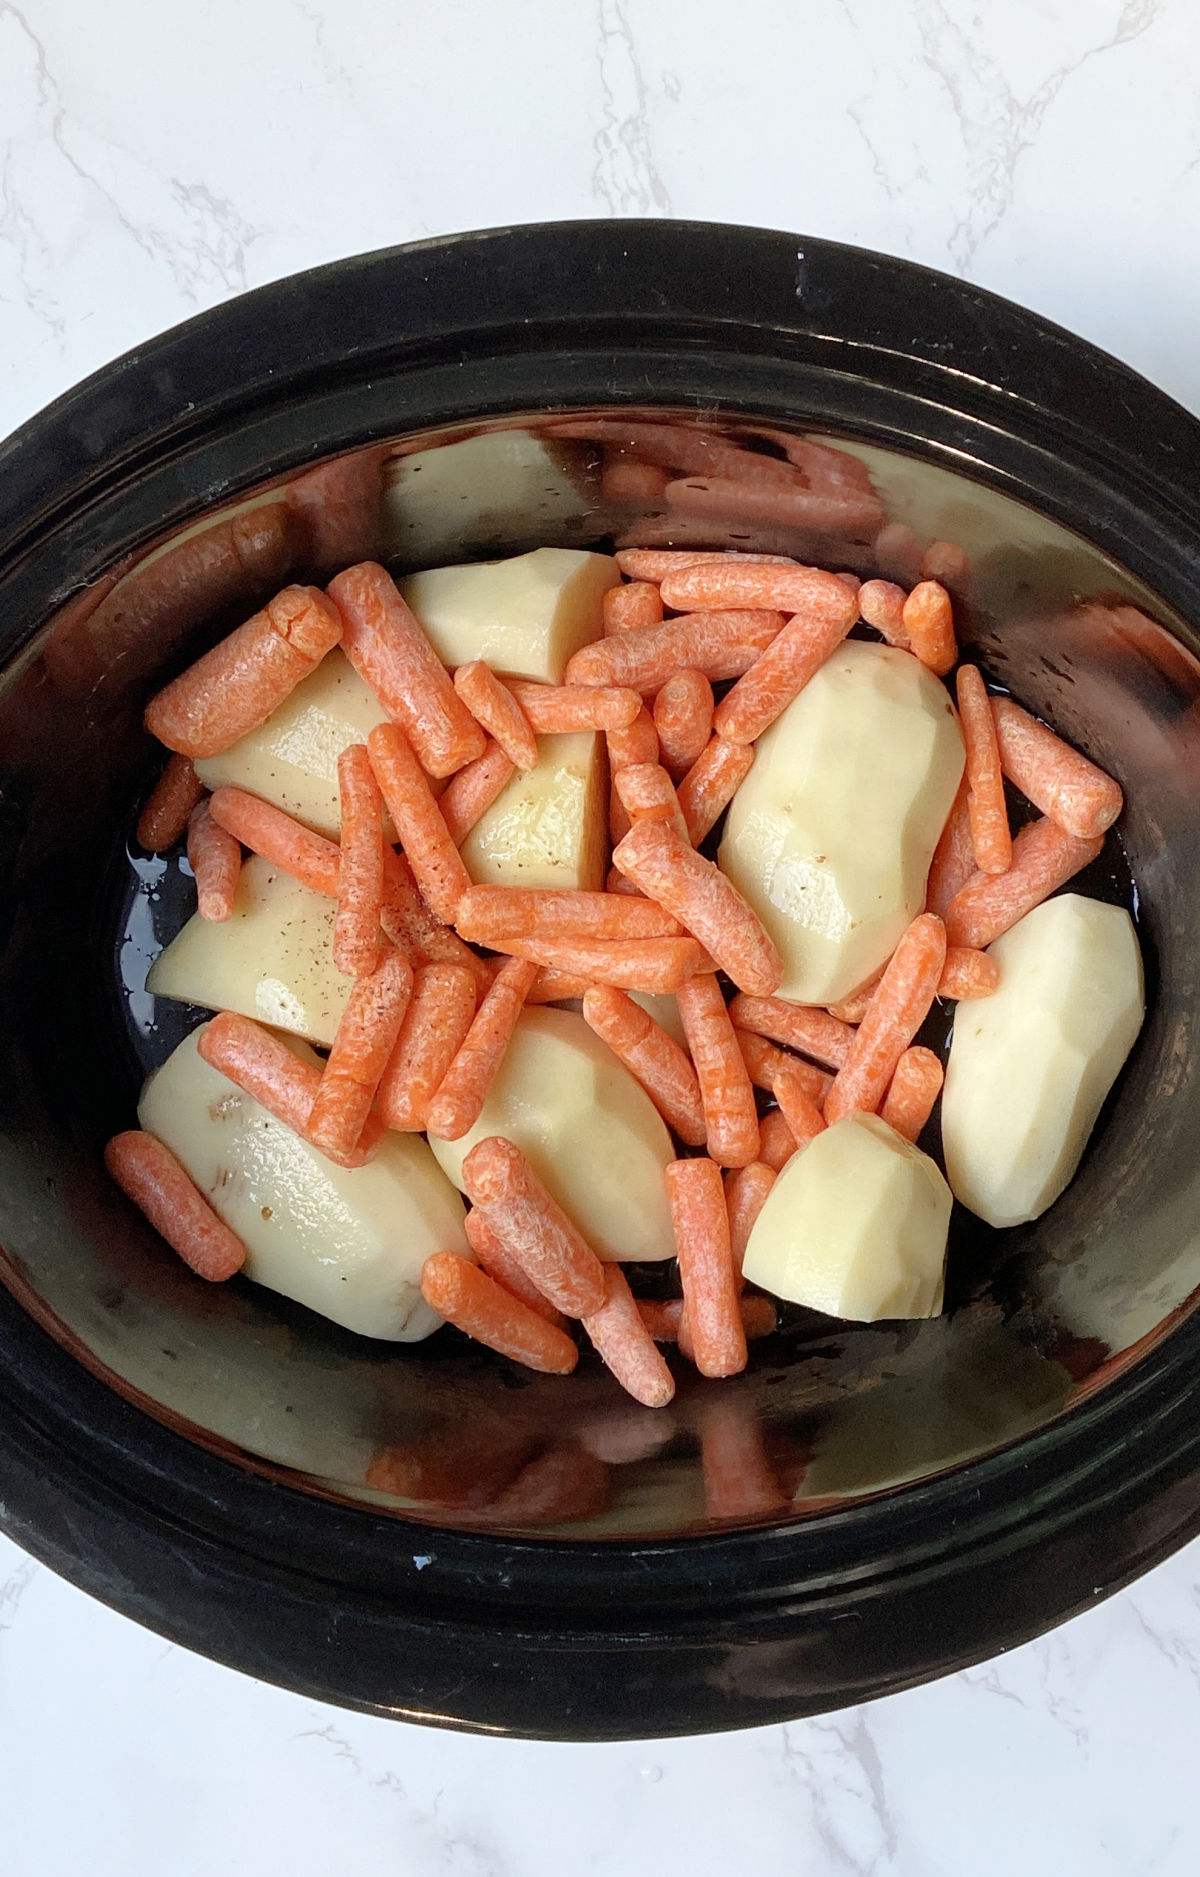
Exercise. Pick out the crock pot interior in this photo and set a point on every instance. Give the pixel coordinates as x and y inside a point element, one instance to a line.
<point>826,1410</point>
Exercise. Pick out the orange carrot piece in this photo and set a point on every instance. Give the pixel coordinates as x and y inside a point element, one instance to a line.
<point>991,837</point>
<point>365,1039</point>
<point>387,646</point>
<point>357,940</point>
<point>236,686</point>
<point>557,709</point>
<point>440,1012</point>
<point>151,1176</point>
<point>854,1008</point>
<point>711,784</point>
<point>482,1309</point>
<point>801,1026</point>
<point>169,804</point>
<point>650,1055</point>
<point>619,823</point>
<point>683,717</point>
<point>648,794</point>
<point>797,1105</point>
<point>739,1481</point>
<point>276,1078</point>
<point>696,1198</point>
<point>881,604</point>
<point>1057,779</point>
<point>625,1346</point>
<point>489,915</point>
<point>653,965</point>
<point>953,860</point>
<point>615,882</point>
<point>915,1085</point>
<point>468,795</point>
<point>665,1320</point>
<point>808,639</point>
<point>463,1089</point>
<point>721,645</point>
<point>756,586</point>
<point>707,904</point>
<point>1045,857</point>
<point>653,563</point>
<point>627,482</point>
<point>897,1010</point>
<point>636,742</point>
<point>215,859</point>
<point>746,1190</point>
<point>504,1268</point>
<point>776,1143</point>
<point>764,1061</point>
<point>419,821</point>
<point>497,711</point>
<point>967,973</point>
<point>533,1226</point>
<point>408,923</point>
<point>285,843</point>
<point>929,623</point>
<point>637,604</point>
<point>730,1114</point>
<point>557,987</point>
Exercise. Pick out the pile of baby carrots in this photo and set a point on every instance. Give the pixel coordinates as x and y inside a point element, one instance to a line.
<point>429,1017</point>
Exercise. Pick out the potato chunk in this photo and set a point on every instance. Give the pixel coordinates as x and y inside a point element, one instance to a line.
<point>855,1226</point>
<point>549,826</point>
<point>524,616</point>
<point>1030,1065</point>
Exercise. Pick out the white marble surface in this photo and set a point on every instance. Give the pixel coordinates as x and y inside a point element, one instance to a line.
<point>153,161</point>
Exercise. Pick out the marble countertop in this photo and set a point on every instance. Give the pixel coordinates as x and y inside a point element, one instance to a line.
<point>154,162</point>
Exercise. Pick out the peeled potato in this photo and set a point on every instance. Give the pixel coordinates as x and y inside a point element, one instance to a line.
<point>855,1226</point>
<point>525,616</point>
<point>549,826</point>
<point>273,960</point>
<point>1030,1065</point>
<point>831,834</point>
<point>496,492</point>
<point>348,1242</point>
<point>588,1129</point>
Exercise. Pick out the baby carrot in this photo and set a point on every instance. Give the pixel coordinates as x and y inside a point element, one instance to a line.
<point>615,882</point>
<point>897,1011</point>
<point>746,1190</point>
<point>854,1008</point>
<point>707,904</point>
<point>236,686</point>
<point>929,623</point>
<point>470,793</point>
<point>797,1105</point>
<point>408,923</point>
<point>739,1481</point>
<point>555,709</point>
<point>1057,779</point>
<point>168,805</point>
<point>764,1061</point>
<point>648,794</point>
<point>683,716</point>
<point>991,837</point>
<point>636,742</point>
<point>151,1176</point>
<point>365,1039</point>
<point>463,1089</point>
<point>1044,858</point>
<point>915,1085</point>
<point>215,858</point>
<point>700,1222</point>
<point>881,604</point>
<point>357,940</point>
<point>655,564</point>
<point>756,586</point>
<point>953,860</point>
<point>791,659</point>
<point>652,1056</point>
<point>721,645</point>
<point>497,711</point>
<point>637,604</point>
<point>730,1114</point>
<point>967,973</point>
<point>625,1346</point>
<point>388,648</point>
<point>711,784</point>
<point>556,987</point>
<point>467,1297</point>
<point>666,1322</point>
<point>288,845</point>
<point>653,965</point>
<point>801,1026</point>
<point>504,1268</point>
<point>488,915</point>
<point>276,1078</point>
<point>776,1143</point>
<point>533,1226</point>
<point>419,822</point>
<point>440,1012</point>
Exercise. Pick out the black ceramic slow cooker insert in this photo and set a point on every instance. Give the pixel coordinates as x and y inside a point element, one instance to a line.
<point>207,1459</point>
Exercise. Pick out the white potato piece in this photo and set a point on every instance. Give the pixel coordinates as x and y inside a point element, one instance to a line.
<point>348,1242</point>
<point>855,1226</point>
<point>549,826</point>
<point>588,1129</point>
<point>273,960</point>
<point>291,759</point>
<point>525,616</point>
<point>1030,1065</point>
<point>497,491</point>
<point>831,834</point>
